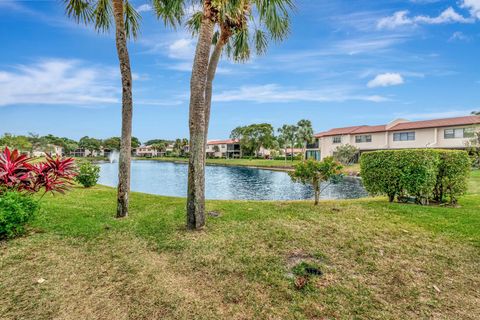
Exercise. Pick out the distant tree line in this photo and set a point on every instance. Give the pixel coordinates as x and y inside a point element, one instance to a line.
<point>256,136</point>
<point>34,142</point>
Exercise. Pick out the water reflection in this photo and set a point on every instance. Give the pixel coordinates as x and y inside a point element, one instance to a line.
<point>225,183</point>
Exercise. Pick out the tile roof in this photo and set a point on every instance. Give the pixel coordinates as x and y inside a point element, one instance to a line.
<point>408,125</point>
<point>228,141</point>
<point>448,122</point>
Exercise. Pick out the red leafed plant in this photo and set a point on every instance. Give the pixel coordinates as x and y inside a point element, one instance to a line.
<point>13,170</point>
<point>52,175</point>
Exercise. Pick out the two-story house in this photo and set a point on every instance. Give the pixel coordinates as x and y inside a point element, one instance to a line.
<point>223,149</point>
<point>146,151</point>
<point>449,133</point>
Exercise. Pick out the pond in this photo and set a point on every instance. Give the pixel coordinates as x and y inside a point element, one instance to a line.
<point>225,183</point>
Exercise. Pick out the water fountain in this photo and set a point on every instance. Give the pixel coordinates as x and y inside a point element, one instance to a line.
<point>113,156</point>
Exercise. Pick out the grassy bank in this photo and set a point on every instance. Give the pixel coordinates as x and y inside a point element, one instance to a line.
<point>379,260</point>
<point>235,162</point>
<point>259,163</point>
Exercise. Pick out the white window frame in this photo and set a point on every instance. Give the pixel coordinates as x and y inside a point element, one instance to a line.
<point>399,136</point>
<point>458,133</point>
<point>365,138</point>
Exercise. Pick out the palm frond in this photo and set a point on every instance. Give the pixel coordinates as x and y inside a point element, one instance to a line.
<point>194,22</point>
<point>103,15</point>
<point>132,20</point>
<point>80,10</point>
<point>260,41</point>
<point>216,37</point>
<point>241,47</point>
<point>170,11</point>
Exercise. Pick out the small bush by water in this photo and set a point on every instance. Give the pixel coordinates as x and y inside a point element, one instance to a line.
<point>88,174</point>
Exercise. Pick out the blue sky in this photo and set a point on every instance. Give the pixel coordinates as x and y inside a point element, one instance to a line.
<point>344,63</point>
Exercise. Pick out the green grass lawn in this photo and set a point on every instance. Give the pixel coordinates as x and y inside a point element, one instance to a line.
<point>379,260</point>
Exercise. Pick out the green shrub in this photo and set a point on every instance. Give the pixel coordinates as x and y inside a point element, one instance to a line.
<point>452,180</point>
<point>421,173</point>
<point>380,173</point>
<point>88,174</point>
<point>16,210</point>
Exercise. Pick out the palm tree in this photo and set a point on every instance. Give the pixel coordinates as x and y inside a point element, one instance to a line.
<point>234,19</point>
<point>304,134</point>
<point>126,20</point>
<point>160,147</point>
<point>288,134</point>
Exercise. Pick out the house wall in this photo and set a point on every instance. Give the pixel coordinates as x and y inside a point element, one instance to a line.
<point>424,138</point>
<point>221,153</point>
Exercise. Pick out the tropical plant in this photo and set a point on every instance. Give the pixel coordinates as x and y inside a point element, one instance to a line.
<point>476,113</point>
<point>288,136</point>
<point>345,154</point>
<point>305,134</point>
<point>126,20</point>
<point>315,172</point>
<point>51,175</point>
<point>159,147</point>
<point>14,171</point>
<point>234,20</point>
<point>88,174</point>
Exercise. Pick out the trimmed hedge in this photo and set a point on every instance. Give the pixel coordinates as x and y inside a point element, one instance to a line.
<point>421,173</point>
<point>452,180</point>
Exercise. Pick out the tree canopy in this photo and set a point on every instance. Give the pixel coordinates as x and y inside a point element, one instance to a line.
<point>253,137</point>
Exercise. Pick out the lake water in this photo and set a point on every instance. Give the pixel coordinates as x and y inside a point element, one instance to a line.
<point>225,183</point>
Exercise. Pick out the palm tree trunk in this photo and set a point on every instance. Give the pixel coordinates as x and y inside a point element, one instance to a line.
<point>304,150</point>
<point>196,163</point>
<point>127,106</point>
<point>212,69</point>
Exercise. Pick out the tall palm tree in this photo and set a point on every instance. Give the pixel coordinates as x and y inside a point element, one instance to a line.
<point>304,134</point>
<point>100,13</point>
<point>233,19</point>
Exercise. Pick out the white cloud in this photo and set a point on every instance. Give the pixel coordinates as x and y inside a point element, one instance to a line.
<point>447,16</point>
<point>401,18</point>
<point>386,80</point>
<point>398,19</point>
<point>458,36</point>
<point>58,82</point>
<point>473,6</point>
<point>182,49</point>
<point>271,93</point>
<point>144,8</point>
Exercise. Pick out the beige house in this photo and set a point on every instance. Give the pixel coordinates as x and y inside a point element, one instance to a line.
<point>450,133</point>
<point>146,151</point>
<point>223,149</point>
<point>49,149</point>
